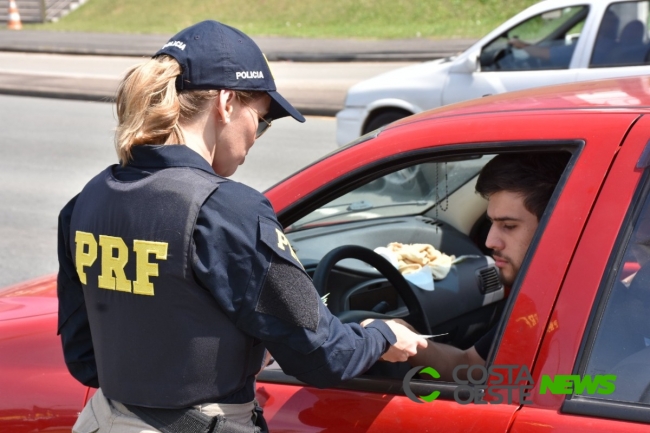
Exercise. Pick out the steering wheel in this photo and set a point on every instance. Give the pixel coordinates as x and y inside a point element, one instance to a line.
<point>499,55</point>
<point>416,317</point>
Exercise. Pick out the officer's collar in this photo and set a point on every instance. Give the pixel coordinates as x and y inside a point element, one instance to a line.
<point>168,155</point>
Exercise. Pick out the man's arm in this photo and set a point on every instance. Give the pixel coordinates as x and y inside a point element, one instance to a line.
<point>535,51</point>
<point>444,358</point>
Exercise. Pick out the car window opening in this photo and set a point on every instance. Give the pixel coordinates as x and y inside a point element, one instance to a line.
<point>431,203</point>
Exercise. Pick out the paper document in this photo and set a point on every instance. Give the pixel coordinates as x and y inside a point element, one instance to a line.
<point>436,335</point>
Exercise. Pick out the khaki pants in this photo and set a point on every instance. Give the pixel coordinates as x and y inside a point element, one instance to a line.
<point>106,416</point>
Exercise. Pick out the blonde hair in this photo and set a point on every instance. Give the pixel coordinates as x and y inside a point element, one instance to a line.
<point>149,108</point>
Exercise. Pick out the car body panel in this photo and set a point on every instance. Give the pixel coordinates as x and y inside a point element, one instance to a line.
<point>421,88</point>
<point>531,314</point>
<point>420,82</point>
<point>44,286</point>
<point>571,314</point>
<point>462,86</point>
<point>618,71</point>
<point>543,420</point>
<point>312,410</point>
<point>614,93</point>
<point>38,393</point>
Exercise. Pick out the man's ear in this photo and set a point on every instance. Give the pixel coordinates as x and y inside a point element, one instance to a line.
<point>225,105</point>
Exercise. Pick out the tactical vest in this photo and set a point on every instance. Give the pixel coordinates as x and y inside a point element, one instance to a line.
<point>160,339</point>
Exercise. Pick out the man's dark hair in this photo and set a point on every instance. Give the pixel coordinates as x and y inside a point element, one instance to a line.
<point>534,175</point>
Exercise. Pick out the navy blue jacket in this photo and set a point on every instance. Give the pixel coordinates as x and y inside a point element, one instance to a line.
<point>232,256</point>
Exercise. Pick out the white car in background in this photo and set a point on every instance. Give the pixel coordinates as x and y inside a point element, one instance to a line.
<point>554,41</point>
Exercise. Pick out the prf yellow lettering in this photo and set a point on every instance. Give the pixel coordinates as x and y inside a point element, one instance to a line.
<point>84,258</point>
<point>283,241</point>
<point>144,268</point>
<point>115,256</point>
<point>113,277</point>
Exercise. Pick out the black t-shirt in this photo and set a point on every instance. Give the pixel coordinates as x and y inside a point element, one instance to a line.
<point>483,345</point>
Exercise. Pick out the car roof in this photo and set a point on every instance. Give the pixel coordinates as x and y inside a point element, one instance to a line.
<point>629,94</point>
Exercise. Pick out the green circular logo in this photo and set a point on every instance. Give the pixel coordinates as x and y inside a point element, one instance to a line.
<point>406,384</point>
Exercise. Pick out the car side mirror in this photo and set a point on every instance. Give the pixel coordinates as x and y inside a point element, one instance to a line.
<point>466,65</point>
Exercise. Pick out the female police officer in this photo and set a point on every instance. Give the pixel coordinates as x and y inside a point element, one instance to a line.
<point>174,280</point>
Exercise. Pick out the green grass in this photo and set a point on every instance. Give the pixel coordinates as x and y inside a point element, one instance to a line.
<point>375,19</point>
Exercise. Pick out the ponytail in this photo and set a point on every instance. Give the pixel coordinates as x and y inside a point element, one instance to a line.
<point>149,108</point>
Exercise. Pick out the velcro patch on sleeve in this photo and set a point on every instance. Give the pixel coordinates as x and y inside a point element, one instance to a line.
<point>288,294</point>
<point>275,239</point>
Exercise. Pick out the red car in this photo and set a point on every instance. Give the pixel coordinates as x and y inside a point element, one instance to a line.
<point>574,347</point>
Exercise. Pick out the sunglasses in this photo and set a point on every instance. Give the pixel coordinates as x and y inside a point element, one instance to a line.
<point>262,124</point>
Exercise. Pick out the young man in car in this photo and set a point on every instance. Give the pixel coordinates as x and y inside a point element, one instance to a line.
<point>518,187</point>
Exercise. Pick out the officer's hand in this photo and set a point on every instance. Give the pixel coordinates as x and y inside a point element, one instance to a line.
<point>408,325</point>
<point>407,344</point>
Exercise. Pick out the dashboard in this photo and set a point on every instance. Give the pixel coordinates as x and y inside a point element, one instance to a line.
<point>462,305</point>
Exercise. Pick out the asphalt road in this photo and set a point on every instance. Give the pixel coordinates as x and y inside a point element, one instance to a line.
<point>314,87</point>
<point>51,148</point>
<point>274,47</point>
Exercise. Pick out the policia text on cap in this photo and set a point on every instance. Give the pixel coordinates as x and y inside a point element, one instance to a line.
<point>174,280</point>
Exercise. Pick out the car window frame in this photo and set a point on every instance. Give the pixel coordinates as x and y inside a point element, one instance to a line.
<point>586,19</point>
<point>377,169</point>
<point>589,58</point>
<point>449,191</point>
<point>543,223</point>
<point>583,404</point>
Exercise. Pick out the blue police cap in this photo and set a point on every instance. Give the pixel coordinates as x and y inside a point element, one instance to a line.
<point>216,56</point>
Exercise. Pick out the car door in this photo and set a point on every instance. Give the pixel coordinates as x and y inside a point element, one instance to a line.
<point>621,46</point>
<point>380,404</point>
<point>597,325</point>
<point>556,33</point>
